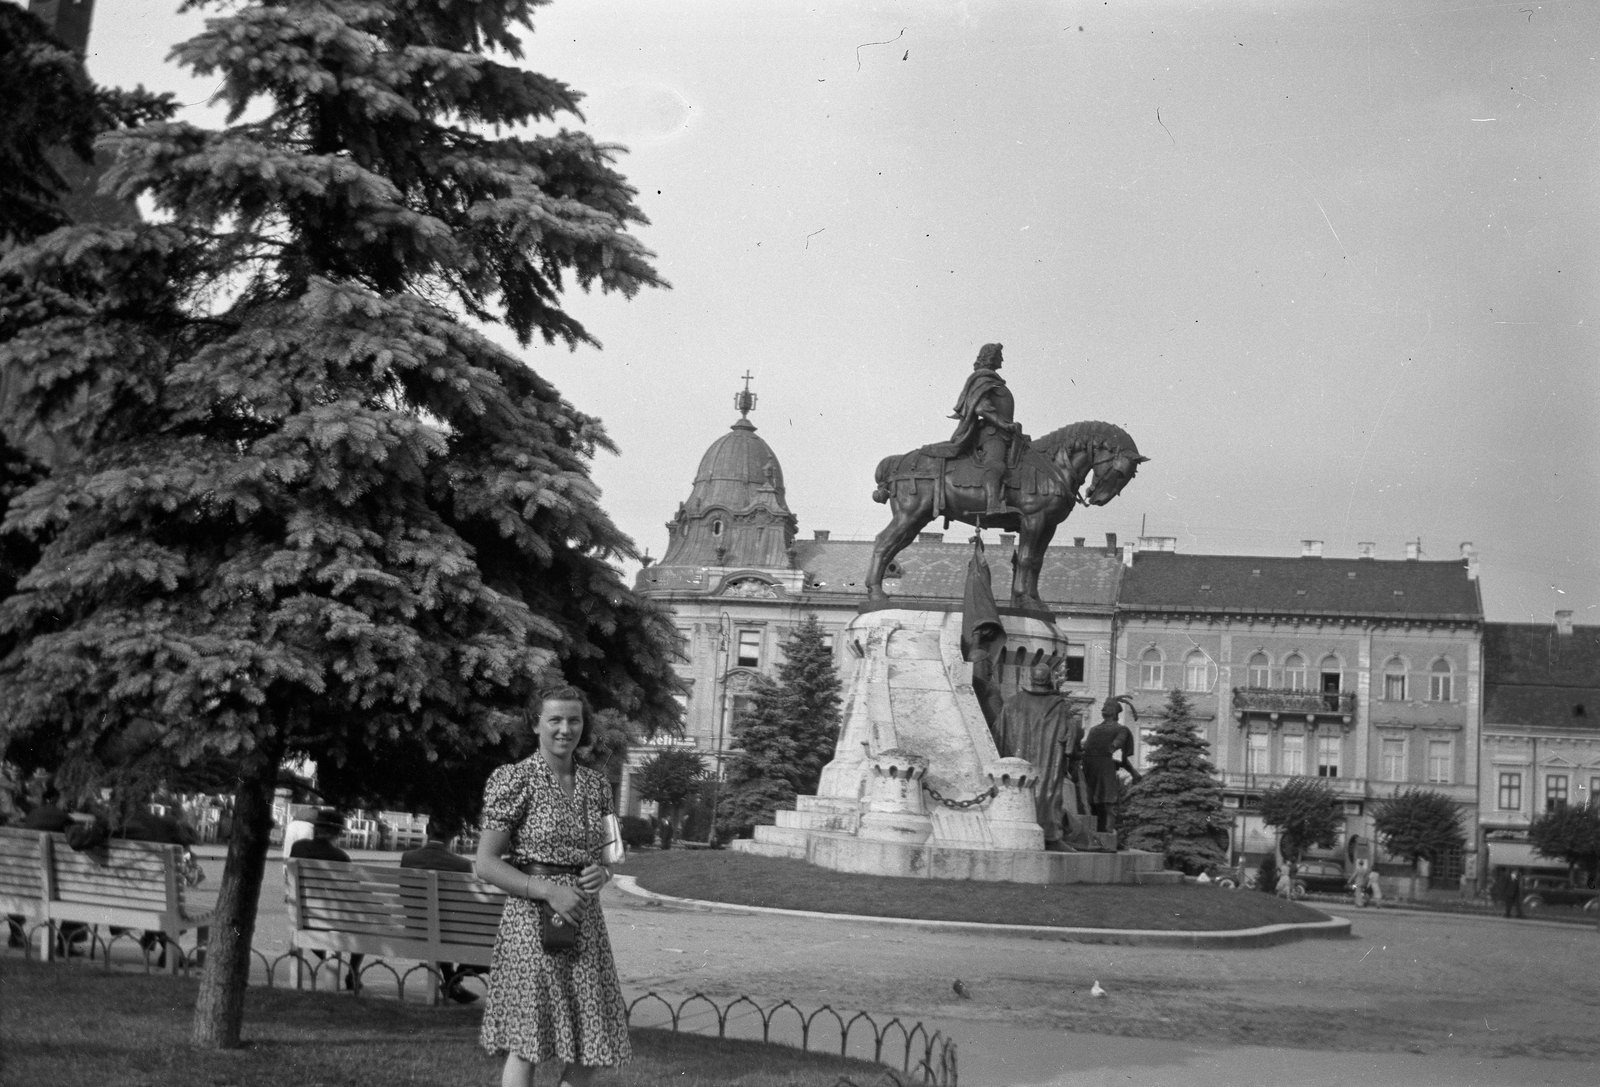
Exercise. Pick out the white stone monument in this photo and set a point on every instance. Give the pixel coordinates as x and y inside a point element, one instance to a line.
<point>916,786</point>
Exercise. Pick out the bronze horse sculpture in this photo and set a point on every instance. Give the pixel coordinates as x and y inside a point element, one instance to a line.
<point>1044,487</point>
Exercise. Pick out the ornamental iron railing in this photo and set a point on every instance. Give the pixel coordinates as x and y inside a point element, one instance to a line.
<point>1289,700</point>
<point>913,1055</point>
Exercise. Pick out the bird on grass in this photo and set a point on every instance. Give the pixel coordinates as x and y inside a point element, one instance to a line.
<point>1096,990</point>
<point>961,989</point>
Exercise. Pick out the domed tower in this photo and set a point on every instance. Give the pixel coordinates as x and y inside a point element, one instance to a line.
<point>736,515</point>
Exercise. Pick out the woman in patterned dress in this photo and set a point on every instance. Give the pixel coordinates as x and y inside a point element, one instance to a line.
<point>542,830</point>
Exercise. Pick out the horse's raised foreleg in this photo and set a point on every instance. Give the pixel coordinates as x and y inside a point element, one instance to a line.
<point>912,511</point>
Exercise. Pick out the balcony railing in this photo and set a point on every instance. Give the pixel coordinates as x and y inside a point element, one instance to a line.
<point>1288,700</point>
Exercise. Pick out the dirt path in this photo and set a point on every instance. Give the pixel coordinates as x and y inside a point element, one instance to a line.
<point>1408,983</point>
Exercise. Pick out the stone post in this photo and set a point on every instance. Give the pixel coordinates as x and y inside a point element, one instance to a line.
<point>895,809</point>
<point>1012,812</point>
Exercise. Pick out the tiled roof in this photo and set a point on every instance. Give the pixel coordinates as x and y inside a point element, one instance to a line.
<point>1071,576</point>
<point>1536,653</point>
<point>1534,675</point>
<point>1168,581</point>
<point>1079,576</point>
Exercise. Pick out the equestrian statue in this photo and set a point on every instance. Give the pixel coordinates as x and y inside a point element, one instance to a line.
<point>991,475</point>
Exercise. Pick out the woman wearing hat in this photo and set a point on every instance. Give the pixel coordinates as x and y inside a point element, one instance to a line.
<point>540,842</point>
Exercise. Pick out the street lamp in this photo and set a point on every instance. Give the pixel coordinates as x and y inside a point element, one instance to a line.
<point>719,690</point>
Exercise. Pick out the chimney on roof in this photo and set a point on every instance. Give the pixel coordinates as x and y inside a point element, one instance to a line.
<point>1563,622</point>
<point>930,537</point>
<point>1008,539</point>
<point>1469,555</point>
<point>1366,550</point>
<point>1413,550</point>
<point>1311,549</point>
<point>1077,541</point>
<point>820,533</point>
<point>1111,542</point>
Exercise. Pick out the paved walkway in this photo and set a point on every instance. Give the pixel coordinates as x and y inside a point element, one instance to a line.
<point>1411,998</point>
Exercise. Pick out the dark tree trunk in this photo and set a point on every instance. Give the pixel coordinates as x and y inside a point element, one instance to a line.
<point>219,1010</point>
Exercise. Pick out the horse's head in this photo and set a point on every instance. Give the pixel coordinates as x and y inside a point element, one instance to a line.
<point>1113,470</point>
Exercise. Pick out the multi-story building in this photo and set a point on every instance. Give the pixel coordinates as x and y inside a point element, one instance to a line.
<point>737,579</point>
<point>1541,731</point>
<point>1364,672</point>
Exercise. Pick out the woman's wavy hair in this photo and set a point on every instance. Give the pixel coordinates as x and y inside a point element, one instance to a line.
<point>566,692</point>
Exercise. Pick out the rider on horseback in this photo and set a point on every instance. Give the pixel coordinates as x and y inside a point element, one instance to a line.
<point>986,431</point>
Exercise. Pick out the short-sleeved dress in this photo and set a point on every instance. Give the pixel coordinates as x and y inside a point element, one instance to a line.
<point>562,1005</point>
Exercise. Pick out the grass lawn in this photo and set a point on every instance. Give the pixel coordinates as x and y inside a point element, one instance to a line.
<point>742,879</point>
<point>67,1025</point>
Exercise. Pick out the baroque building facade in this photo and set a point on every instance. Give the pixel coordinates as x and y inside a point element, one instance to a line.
<point>1367,673</point>
<point>1541,731</point>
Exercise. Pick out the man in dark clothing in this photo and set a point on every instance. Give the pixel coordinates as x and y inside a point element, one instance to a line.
<point>1513,894</point>
<point>436,854</point>
<point>47,816</point>
<point>319,847</point>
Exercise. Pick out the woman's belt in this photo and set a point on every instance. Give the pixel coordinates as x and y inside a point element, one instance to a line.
<point>534,868</point>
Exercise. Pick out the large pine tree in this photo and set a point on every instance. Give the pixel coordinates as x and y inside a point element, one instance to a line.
<point>313,510</point>
<point>1176,809</point>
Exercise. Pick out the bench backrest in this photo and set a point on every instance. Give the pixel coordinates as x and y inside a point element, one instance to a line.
<point>20,883</point>
<point>140,877</point>
<point>385,902</point>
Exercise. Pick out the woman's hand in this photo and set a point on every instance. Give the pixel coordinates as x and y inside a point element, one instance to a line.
<point>592,878</point>
<point>567,901</point>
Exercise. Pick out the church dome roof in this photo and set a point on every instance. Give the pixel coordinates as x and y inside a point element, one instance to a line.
<point>737,471</point>
<point>737,514</point>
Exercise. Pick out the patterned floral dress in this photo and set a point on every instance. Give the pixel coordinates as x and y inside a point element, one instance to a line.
<point>561,1005</point>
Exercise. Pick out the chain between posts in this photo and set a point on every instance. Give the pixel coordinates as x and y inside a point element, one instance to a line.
<point>962,805</point>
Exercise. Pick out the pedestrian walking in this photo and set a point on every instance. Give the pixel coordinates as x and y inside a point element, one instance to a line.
<point>542,832</point>
<point>1509,888</point>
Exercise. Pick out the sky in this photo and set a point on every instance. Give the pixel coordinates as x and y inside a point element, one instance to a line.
<point>1333,265</point>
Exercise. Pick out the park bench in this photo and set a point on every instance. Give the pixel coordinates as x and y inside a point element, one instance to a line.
<point>391,913</point>
<point>135,885</point>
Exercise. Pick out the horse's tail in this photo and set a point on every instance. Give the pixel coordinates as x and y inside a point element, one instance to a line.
<point>881,478</point>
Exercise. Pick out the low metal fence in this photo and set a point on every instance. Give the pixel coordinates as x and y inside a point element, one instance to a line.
<point>912,1055</point>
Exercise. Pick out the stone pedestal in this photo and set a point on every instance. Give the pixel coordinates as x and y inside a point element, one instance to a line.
<point>912,727</point>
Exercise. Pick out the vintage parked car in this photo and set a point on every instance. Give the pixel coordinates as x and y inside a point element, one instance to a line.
<point>1315,875</point>
<point>1541,891</point>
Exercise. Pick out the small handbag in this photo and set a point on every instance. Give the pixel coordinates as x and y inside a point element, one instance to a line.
<point>555,932</point>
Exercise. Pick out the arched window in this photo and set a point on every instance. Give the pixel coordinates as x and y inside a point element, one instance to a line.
<point>1394,680</point>
<point>1439,685</point>
<point>1260,670</point>
<point>1294,672</point>
<point>1196,672</point>
<point>1331,674</point>
<point>1150,670</point>
<point>716,527</point>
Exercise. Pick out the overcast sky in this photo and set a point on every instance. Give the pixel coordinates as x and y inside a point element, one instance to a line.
<point>1333,265</point>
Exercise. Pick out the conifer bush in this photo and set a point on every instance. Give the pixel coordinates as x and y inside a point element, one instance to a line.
<point>1176,808</point>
